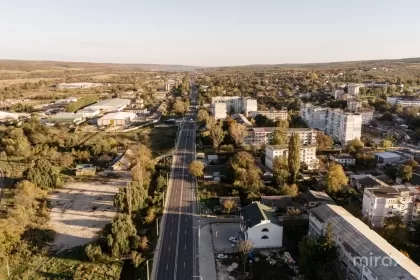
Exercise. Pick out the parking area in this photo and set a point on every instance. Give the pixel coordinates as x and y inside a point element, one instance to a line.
<point>221,233</point>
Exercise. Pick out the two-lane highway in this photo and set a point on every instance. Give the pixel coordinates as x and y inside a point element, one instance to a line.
<point>176,255</point>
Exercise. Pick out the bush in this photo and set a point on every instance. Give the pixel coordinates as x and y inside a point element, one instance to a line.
<point>93,252</point>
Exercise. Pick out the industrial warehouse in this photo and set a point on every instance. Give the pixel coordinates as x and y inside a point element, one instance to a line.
<point>108,105</point>
<point>117,118</point>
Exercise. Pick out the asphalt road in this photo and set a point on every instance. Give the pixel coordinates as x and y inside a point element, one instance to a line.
<point>177,255</point>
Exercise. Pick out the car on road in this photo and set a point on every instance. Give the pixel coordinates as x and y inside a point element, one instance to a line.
<point>233,239</point>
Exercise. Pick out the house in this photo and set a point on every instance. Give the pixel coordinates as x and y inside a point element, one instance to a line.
<point>278,203</point>
<point>387,158</point>
<point>311,198</point>
<point>260,226</point>
<point>362,181</point>
<point>363,253</point>
<point>212,158</point>
<point>344,159</point>
<point>122,162</point>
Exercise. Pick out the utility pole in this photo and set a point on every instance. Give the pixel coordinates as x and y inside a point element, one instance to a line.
<point>157,226</point>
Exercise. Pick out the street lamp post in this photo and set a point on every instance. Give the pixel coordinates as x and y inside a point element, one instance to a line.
<point>157,226</point>
<point>147,267</point>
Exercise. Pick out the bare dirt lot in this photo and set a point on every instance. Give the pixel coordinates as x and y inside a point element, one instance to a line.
<point>82,209</point>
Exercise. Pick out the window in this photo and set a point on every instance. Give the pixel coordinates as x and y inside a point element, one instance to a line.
<point>265,230</point>
<point>264,237</point>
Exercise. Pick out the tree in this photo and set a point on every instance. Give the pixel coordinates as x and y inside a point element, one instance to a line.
<point>122,232</point>
<point>395,231</point>
<point>43,174</point>
<point>202,116</point>
<point>280,133</point>
<point>237,132</point>
<point>15,143</point>
<point>228,205</point>
<point>323,140</point>
<point>245,247</point>
<point>291,190</point>
<point>354,146</point>
<point>294,156</point>
<point>216,132</point>
<point>93,252</point>
<point>335,178</point>
<point>179,107</point>
<point>405,172</point>
<point>246,173</point>
<point>386,144</point>
<point>196,168</point>
<point>263,121</point>
<point>280,170</point>
<point>131,198</point>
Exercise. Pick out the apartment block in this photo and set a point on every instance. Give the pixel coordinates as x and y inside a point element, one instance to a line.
<point>354,105</point>
<point>307,155</point>
<point>233,104</point>
<point>404,101</point>
<point>272,115</point>
<point>384,202</point>
<point>343,126</point>
<point>263,135</point>
<point>218,110</point>
<point>363,253</point>
<point>314,116</point>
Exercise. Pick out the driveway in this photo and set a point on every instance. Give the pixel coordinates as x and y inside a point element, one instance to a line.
<point>221,233</point>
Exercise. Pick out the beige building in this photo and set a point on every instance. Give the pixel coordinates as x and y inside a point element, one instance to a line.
<point>272,115</point>
<point>117,118</point>
<point>307,155</point>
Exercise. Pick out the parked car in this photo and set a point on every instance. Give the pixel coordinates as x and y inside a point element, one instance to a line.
<point>222,256</point>
<point>233,239</point>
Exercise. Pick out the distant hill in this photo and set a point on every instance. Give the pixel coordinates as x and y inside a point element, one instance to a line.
<point>29,65</point>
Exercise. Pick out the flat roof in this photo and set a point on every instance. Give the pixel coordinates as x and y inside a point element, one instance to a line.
<point>115,102</point>
<point>366,243</point>
<point>387,155</point>
<point>118,116</point>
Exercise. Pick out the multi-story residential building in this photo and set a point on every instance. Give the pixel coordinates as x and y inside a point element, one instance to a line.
<point>404,101</point>
<point>78,85</point>
<point>353,89</point>
<point>340,125</point>
<point>343,126</point>
<point>263,135</point>
<point>367,115</point>
<point>234,104</point>
<point>363,253</point>
<point>307,155</point>
<point>315,116</point>
<point>354,105</point>
<point>249,106</point>
<point>218,110</point>
<point>272,115</point>
<point>384,202</point>
<point>336,93</point>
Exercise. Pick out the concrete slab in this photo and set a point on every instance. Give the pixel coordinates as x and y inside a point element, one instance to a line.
<point>207,261</point>
<point>221,233</point>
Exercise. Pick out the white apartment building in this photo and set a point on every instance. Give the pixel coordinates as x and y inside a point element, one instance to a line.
<point>384,202</point>
<point>340,125</point>
<point>367,115</point>
<point>263,135</point>
<point>314,116</point>
<point>272,115</point>
<point>404,101</point>
<point>233,104</point>
<point>249,106</point>
<point>336,93</point>
<point>343,126</point>
<point>307,155</point>
<point>353,89</point>
<point>218,110</point>
<point>364,254</point>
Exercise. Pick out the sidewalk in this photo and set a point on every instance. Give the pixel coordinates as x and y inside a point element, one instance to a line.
<point>207,261</point>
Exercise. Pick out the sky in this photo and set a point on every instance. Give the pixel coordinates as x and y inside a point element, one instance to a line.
<point>209,32</point>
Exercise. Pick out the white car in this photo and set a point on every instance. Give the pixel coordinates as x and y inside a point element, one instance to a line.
<point>233,239</point>
<point>222,256</point>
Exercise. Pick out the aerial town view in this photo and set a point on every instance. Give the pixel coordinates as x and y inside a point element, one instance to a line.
<point>209,140</point>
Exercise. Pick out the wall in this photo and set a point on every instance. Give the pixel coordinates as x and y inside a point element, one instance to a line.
<point>274,234</point>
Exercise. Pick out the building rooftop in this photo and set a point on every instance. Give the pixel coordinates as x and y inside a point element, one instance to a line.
<point>115,102</point>
<point>386,192</point>
<point>119,116</point>
<point>344,156</point>
<point>263,129</point>
<point>387,155</point>
<point>240,118</point>
<point>277,201</point>
<point>311,195</point>
<point>285,146</point>
<point>366,243</point>
<point>256,212</point>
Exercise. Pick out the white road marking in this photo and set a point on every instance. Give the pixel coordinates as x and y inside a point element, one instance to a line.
<point>185,247</point>
<point>169,248</point>
<point>170,233</point>
<point>166,267</point>
<point>184,264</point>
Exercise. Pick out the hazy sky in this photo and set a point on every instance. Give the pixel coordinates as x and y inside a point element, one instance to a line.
<point>209,32</point>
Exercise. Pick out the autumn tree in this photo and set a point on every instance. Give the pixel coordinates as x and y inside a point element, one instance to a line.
<point>121,235</point>
<point>405,172</point>
<point>280,133</point>
<point>180,107</point>
<point>386,144</point>
<point>228,205</point>
<point>354,146</point>
<point>202,116</point>
<point>280,170</point>
<point>294,156</point>
<point>291,190</point>
<point>335,178</point>
<point>237,132</point>
<point>323,140</point>
<point>245,247</point>
<point>216,132</point>
<point>196,168</point>
<point>246,173</point>
<point>43,174</point>
<point>15,143</point>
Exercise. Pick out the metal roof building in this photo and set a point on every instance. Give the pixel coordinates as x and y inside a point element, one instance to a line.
<point>109,105</point>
